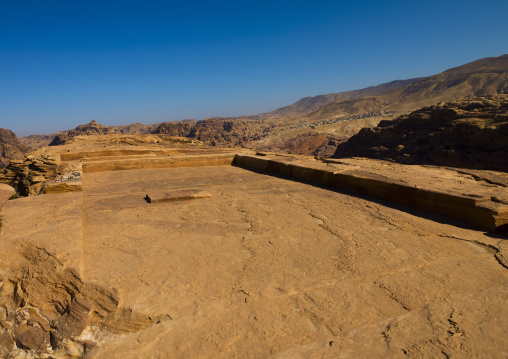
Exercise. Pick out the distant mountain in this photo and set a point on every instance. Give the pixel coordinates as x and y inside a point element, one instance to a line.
<point>483,77</point>
<point>470,133</point>
<point>34,142</point>
<point>10,147</point>
<point>92,128</point>
<point>310,104</point>
<point>95,128</point>
<point>296,127</point>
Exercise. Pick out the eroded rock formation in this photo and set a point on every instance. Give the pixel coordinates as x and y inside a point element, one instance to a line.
<point>470,133</point>
<point>92,128</point>
<point>316,144</point>
<point>28,175</point>
<point>10,147</point>
<point>46,309</point>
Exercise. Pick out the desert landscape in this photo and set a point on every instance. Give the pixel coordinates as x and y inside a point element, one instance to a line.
<point>368,223</point>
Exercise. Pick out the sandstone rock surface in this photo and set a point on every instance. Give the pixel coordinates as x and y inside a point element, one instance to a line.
<point>471,133</point>
<point>266,267</point>
<point>10,147</point>
<point>30,175</point>
<point>446,191</point>
<point>181,195</point>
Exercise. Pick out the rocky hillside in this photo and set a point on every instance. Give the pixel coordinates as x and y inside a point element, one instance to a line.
<point>10,147</point>
<point>310,104</point>
<point>95,128</point>
<point>134,128</point>
<point>216,131</point>
<point>34,142</point>
<point>92,128</point>
<point>483,77</point>
<point>316,144</point>
<point>315,121</point>
<point>322,117</point>
<point>470,133</point>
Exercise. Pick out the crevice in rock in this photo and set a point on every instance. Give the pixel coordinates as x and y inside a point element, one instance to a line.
<point>488,247</point>
<point>393,296</point>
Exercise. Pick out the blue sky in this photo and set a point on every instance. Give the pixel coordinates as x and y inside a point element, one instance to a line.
<point>65,63</point>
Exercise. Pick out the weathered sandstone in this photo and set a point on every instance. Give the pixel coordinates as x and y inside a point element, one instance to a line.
<point>181,195</point>
<point>470,133</point>
<point>10,147</point>
<point>265,267</point>
<point>483,205</point>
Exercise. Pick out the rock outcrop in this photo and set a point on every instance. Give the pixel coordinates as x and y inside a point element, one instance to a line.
<point>92,128</point>
<point>215,131</point>
<point>27,176</point>
<point>309,143</point>
<point>471,133</point>
<point>48,311</point>
<point>10,147</point>
<point>34,142</point>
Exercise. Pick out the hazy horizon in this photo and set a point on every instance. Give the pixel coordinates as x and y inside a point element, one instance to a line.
<point>68,63</point>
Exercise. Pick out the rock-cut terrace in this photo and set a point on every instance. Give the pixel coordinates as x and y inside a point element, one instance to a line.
<point>258,256</point>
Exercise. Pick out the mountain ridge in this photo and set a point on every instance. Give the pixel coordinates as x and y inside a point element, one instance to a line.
<point>325,114</point>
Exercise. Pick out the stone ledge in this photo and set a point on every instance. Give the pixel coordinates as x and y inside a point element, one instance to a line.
<point>482,211</point>
<point>159,162</point>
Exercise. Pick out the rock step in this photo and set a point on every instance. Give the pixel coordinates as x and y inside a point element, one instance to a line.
<point>159,162</point>
<point>483,211</point>
<point>165,196</point>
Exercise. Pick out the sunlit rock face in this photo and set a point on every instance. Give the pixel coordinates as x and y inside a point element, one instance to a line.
<point>10,147</point>
<point>469,133</point>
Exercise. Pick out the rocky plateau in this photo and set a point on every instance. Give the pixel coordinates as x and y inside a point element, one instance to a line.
<point>208,239</point>
<point>269,256</point>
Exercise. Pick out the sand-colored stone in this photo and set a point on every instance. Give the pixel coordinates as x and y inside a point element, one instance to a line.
<point>181,195</point>
<point>159,162</point>
<point>6,192</point>
<point>271,267</point>
<point>445,191</point>
<point>265,267</point>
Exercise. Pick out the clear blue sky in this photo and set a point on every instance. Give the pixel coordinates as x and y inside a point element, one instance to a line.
<point>65,63</point>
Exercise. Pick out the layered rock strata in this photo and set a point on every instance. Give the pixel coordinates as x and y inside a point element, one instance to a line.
<point>158,162</point>
<point>27,176</point>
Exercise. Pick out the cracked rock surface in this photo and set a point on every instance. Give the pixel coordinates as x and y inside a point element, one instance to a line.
<point>266,267</point>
